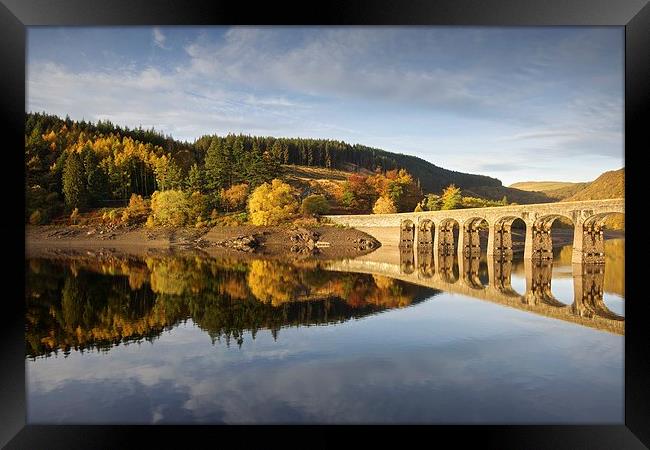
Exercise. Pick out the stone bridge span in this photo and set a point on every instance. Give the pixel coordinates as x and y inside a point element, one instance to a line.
<point>435,228</point>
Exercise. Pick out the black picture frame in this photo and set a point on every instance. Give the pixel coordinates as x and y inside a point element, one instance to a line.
<point>15,15</point>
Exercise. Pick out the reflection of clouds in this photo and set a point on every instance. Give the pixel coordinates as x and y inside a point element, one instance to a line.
<point>423,364</point>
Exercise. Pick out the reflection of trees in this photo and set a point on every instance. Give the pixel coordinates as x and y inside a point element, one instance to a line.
<point>615,266</point>
<point>93,303</point>
<point>273,282</point>
<point>66,311</point>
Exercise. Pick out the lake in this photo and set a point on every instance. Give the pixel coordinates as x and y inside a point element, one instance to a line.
<point>187,339</point>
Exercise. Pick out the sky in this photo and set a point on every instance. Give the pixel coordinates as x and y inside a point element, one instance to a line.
<point>518,104</point>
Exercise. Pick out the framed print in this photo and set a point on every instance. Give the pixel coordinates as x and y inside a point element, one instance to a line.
<point>411,219</point>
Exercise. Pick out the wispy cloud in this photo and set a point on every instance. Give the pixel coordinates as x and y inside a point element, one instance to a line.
<point>159,38</point>
<point>457,97</point>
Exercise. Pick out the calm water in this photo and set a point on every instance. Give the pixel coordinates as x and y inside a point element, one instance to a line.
<point>189,339</point>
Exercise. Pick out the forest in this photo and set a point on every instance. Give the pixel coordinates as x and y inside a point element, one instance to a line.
<point>77,166</point>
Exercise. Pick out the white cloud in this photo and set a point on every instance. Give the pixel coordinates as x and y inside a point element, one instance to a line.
<point>159,38</point>
<point>367,85</point>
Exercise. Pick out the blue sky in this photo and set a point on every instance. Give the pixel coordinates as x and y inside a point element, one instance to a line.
<point>514,103</point>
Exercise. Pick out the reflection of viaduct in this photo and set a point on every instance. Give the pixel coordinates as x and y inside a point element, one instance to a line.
<point>587,308</point>
<point>436,228</point>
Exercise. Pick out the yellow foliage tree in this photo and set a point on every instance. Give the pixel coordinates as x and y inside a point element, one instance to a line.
<point>270,204</point>
<point>384,205</point>
<point>170,208</point>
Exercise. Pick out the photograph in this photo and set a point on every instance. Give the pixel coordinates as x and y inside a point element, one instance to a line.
<point>324,225</point>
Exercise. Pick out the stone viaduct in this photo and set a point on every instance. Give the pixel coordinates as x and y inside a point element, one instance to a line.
<point>434,229</point>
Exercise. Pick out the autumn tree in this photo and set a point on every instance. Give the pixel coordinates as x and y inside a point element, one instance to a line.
<point>357,193</point>
<point>384,205</point>
<point>234,198</point>
<point>270,204</point>
<point>398,186</point>
<point>170,208</point>
<point>451,197</point>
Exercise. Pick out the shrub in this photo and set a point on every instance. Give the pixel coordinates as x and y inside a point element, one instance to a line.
<point>384,205</point>
<point>314,205</point>
<point>136,203</point>
<point>150,223</point>
<point>229,220</point>
<point>201,223</point>
<point>270,204</point>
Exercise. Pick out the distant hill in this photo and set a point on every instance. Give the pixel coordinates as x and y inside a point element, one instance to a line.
<point>542,186</point>
<point>609,185</point>
<point>557,190</point>
<point>512,195</point>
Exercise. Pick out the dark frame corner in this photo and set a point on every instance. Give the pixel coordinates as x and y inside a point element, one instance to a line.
<point>16,15</point>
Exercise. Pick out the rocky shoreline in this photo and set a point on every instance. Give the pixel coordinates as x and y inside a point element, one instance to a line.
<point>284,240</point>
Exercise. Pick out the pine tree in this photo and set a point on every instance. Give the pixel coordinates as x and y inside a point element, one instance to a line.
<point>168,174</point>
<point>195,181</point>
<point>96,178</point>
<point>219,165</point>
<point>74,182</point>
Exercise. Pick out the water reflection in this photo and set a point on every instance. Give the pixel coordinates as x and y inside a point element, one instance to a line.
<point>86,303</point>
<point>582,290</point>
<point>461,358</point>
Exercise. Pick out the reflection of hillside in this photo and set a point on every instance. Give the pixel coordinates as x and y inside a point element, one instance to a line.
<point>614,264</point>
<point>90,303</point>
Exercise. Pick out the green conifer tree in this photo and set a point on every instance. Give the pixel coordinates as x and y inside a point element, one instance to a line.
<point>74,182</point>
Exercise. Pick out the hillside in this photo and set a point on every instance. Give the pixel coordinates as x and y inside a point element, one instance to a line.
<point>609,185</point>
<point>434,179</point>
<point>308,153</point>
<point>558,190</point>
<point>541,186</point>
<point>512,195</point>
